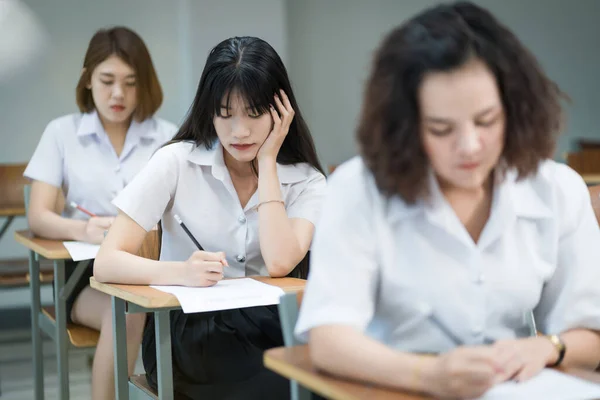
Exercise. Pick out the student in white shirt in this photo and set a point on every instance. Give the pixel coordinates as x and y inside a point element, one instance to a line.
<point>242,173</point>
<point>454,223</point>
<point>89,157</point>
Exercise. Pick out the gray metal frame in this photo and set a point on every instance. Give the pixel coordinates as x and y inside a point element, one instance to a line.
<point>288,315</point>
<point>56,330</point>
<point>125,389</point>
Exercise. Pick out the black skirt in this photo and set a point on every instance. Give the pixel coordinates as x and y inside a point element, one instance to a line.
<point>81,284</point>
<point>219,355</point>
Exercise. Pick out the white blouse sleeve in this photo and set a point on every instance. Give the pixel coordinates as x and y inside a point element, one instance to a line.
<point>147,196</point>
<point>46,164</point>
<point>571,298</point>
<point>307,204</point>
<point>342,283</point>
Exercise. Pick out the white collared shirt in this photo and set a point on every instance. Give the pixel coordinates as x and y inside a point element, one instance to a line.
<point>75,154</point>
<point>194,183</point>
<point>385,267</point>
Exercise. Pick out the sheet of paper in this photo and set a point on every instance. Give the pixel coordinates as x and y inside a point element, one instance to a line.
<point>548,385</point>
<point>82,251</point>
<point>225,295</point>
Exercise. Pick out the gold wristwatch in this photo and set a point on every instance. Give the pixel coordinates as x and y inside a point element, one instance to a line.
<point>560,347</point>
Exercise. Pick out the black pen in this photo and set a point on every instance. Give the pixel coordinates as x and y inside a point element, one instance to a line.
<point>180,222</point>
<point>198,245</point>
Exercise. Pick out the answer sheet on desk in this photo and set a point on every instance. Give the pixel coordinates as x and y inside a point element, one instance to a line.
<point>80,251</point>
<point>547,385</point>
<point>225,295</point>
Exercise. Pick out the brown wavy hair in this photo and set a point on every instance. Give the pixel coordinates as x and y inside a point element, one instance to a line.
<point>129,47</point>
<point>444,38</point>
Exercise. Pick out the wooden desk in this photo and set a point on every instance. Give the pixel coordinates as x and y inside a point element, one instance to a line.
<point>56,329</point>
<point>139,298</point>
<point>294,363</point>
<point>591,179</point>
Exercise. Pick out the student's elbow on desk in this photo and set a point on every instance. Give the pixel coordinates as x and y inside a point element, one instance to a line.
<point>102,265</point>
<point>279,269</point>
<point>323,347</point>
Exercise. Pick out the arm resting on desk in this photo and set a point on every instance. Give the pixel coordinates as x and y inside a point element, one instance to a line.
<point>117,261</point>
<point>583,349</point>
<point>344,351</point>
<point>44,217</point>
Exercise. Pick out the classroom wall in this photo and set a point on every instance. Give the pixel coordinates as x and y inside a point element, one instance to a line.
<point>179,35</point>
<point>331,44</point>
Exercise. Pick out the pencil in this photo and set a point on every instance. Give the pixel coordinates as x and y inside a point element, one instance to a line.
<point>83,210</point>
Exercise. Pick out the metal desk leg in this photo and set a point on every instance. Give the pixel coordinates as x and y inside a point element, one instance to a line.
<point>163,355</point>
<point>120,349</point>
<point>6,224</point>
<point>36,334</point>
<point>62,339</point>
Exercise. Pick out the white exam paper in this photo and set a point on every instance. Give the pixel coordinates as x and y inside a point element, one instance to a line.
<point>547,385</point>
<point>80,251</point>
<point>225,295</point>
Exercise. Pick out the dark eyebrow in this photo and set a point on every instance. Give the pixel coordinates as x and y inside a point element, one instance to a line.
<point>438,120</point>
<point>110,75</point>
<point>250,108</point>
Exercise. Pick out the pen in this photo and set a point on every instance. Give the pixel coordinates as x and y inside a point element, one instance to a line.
<point>83,210</point>
<point>442,327</point>
<point>427,310</point>
<point>187,231</point>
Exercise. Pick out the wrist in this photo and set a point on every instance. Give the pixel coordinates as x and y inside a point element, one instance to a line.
<point>556,350</point>
<point>266,161</point>
<point>424,371</point>
<point>79,231</point>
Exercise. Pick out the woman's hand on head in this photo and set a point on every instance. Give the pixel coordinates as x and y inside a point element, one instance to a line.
<point>281,125</point>
<point>203,268</point>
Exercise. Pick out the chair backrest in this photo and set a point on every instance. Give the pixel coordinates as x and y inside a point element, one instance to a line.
<point>12,182</point>
<point>26,193</point>
<point>289,307</point>
<point>595,198</point>
<point>151,245</point>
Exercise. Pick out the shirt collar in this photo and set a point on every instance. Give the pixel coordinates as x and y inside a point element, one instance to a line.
<point>512,199</point>
<point>90,124</point>
<point>213,157</point>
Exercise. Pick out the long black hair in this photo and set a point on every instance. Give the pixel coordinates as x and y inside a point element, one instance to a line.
<point>251,67</point>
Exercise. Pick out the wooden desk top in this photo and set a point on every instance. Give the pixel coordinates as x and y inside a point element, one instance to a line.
<point>8,210</point>
<point>50,249</point>
<point>147,297</point>
<point>591,179</point>
<point>294,363</point>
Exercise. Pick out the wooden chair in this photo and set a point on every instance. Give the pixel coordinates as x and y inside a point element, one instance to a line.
<point>289,308</point>
<point>13,272</point>
<point>595,199</point>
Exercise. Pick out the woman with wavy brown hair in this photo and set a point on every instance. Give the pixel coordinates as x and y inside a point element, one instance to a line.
<point>454,226</point>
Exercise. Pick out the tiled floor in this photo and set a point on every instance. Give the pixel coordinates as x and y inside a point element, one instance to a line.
<point>16,369</point>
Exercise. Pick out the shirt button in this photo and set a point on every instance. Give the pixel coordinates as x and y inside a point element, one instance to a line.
<point>117,168</point>
<point>476,331</point>
<point>480,279</point>
<point>242,219</point>
<point>240,258</point>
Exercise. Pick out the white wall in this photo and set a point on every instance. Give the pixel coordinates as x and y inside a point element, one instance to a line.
<point>331,44</point>
<point>178,33</point>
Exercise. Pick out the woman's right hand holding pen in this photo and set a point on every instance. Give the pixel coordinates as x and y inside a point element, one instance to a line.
<point>203,268</point>
<point>466,372</point>
<point>95,228</point>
